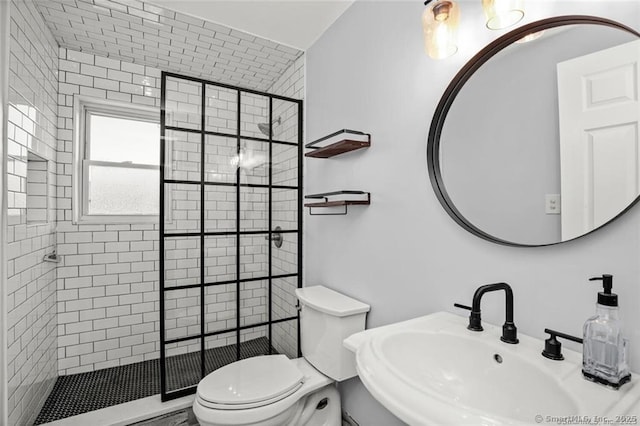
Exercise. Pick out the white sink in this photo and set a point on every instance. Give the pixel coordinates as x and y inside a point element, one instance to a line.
<point>433,371</point>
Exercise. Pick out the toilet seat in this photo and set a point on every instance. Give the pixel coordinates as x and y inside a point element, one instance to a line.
<point>250,383</point>
<point>275,413</point>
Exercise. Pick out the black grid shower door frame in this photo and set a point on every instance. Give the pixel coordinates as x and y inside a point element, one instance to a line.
<point>238,233</point>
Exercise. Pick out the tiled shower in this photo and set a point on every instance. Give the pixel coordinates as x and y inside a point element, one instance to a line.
<point>99,307</point>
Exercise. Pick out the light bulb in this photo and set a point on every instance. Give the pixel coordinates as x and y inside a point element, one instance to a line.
<point>441,11</point>
<point>440,28</point>
<point>502,13</point>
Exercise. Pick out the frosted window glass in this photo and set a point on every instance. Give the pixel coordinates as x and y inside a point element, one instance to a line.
<point>119,140</point>
<point>122,191</point>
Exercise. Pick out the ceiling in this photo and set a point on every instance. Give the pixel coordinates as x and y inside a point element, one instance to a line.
<point>249,43</point>
<point>295,23</point>
<point>156,36</point>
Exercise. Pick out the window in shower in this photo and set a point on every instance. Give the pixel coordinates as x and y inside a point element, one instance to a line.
<point>230,258</point>
<point>117,162</point>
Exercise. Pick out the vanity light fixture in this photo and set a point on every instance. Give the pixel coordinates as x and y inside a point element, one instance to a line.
<point>440,23</point>
<point>502,13</point>
<point>440,28</point>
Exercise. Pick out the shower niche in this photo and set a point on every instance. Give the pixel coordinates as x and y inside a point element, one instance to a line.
<point>230,230</point>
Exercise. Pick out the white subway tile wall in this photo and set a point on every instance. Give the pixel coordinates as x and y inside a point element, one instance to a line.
<point>108,280</point>
<point>254,110</point>
<point>183,155</point>
<point>221,110</point>
<point>141,34</point>
<point>31,292</point>
<point>183,104</point>
<point>285,259</point>
<point>182,307</point>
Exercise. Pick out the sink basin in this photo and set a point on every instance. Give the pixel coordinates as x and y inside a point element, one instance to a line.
<point>432,370</point>
<point>465,372</point>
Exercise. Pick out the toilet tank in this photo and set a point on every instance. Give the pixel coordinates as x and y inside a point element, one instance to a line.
<point>326,319</point>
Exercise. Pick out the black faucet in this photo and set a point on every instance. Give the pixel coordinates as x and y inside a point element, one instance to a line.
<point>509,330</point>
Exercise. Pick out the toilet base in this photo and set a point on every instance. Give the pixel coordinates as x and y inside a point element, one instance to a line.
<point>319,408</point>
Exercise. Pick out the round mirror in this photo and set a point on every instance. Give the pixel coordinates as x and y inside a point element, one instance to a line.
<point>536,141</point>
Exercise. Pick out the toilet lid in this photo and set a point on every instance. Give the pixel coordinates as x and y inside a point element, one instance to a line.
<point>251,380</point>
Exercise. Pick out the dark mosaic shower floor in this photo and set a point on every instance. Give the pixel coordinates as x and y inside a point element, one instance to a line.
<point>80,393</point>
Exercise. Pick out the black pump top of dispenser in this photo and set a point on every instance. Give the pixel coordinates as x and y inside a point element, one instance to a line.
<point>605,297</point>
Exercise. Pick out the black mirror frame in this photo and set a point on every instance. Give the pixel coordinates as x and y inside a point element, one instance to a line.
<point>437,123</point>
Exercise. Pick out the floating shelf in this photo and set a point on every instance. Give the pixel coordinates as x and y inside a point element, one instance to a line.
<point>341,146</point>
<point>350,201</point>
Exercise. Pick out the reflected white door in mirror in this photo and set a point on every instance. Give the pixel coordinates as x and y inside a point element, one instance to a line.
<point>599,138</point>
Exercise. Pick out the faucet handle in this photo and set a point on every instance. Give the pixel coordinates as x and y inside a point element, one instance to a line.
<point>553,348</point>
<point>458,305</point>
<point>474,317</point>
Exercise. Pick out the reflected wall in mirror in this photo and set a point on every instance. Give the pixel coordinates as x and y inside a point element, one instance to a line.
<point>538,143</point>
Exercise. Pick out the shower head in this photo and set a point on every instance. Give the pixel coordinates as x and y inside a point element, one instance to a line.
<point>264,127</point>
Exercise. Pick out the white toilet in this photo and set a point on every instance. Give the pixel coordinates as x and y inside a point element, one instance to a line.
<point>273,390</point>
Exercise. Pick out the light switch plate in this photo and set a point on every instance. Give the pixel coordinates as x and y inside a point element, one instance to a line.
<point>552,203</point>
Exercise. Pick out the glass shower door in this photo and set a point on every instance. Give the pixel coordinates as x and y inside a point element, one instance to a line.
<point>230,240</point>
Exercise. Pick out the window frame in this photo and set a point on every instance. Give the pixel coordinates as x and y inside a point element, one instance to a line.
<point>83,107</point>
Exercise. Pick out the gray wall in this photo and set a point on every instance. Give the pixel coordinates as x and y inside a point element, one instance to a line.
<point>403,254</point>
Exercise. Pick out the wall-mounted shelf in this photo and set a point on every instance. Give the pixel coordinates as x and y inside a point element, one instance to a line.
<point>351,141</point>
<point>337,199</point>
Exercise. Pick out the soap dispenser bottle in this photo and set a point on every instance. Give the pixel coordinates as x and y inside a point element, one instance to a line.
<point>604,356</point>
